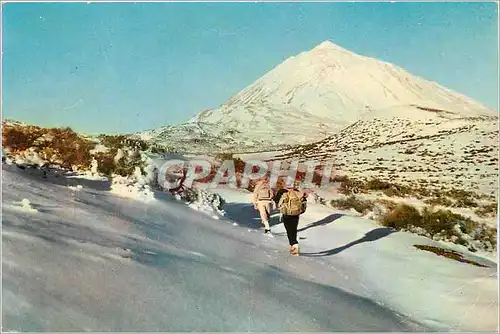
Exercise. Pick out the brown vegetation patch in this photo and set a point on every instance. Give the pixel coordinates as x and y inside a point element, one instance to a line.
<point>450,254</point>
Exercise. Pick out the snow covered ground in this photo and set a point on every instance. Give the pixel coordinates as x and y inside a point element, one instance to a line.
<point>85,258</point>
<point>377,263</point>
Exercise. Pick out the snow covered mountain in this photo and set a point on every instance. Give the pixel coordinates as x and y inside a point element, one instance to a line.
<point>320,92</point>
<point>335,85</point>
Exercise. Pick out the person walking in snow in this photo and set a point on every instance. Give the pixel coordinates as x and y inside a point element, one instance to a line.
<point>262,200</point>
<point>292,204</point>
<point>276,200</point>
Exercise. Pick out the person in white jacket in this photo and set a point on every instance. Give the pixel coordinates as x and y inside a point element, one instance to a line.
<point>262,200</point>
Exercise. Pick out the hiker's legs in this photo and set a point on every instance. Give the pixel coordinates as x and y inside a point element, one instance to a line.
<point>291,223</point>
<point>265,212</point>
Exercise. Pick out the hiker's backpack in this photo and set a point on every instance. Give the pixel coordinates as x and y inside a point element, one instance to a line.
<point>292,205</point>
<point>265,193</point>
<point>304,205</point>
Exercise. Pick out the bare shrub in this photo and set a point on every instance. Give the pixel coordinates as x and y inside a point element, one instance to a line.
<point>444,201</point>
<point>401,217</point>
<point>361,206</point>
<point>486,211</point>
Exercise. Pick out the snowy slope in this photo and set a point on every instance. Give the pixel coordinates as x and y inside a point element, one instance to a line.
<point>438,150</point>
<point>89,260</point>
<point>374,262</point>
<point>203,138</point>
<point>85,259</point>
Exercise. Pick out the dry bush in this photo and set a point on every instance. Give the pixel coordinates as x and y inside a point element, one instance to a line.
<point>401,217</point>
<point>114,142</point>
<point>486,234</point>
<point>157,149</point>
<point>19,139</point>
<point>347,185</point>
<point>72,149</point>
<point>361,206</point>
<point>389,205</point>
<point>442,223</point>
<point>443,201</point>
<point>239,165</point>
<point>487,211</point>
<point>56,145</point>
<point>389,189</point>
<point>127,164</point>
<point>105,163</point>
<point>465,203</point>
<point>433,222</point>
<point>223,156</point>
<point>450,254</point>
<point>376,184</point>
<point>462,198</point>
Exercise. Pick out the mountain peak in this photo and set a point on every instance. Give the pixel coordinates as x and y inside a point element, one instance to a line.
<point>335,86</point>
<point>328,45</point>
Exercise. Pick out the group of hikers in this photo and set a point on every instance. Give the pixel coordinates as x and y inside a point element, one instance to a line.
<point>290,201</point>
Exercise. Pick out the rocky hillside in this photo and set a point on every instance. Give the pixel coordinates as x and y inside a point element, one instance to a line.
<point>418,147</point>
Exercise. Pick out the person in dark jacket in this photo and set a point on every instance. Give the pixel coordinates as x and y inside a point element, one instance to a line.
<point>292,203</point>
<point>277,198</point>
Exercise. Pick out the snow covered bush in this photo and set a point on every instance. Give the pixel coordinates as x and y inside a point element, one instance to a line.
<point>203,200</point>
<point>122,155</point>
<point>26,205</point>
<point>93,167</point>
<point>131,188</point>
<point>18,138</point>
<point>72,151</point>
<point>29,157</point>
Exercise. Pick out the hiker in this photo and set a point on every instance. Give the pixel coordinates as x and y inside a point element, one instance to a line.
<point>276,200</point>
<point>262,200</point>
<point>292,204</point>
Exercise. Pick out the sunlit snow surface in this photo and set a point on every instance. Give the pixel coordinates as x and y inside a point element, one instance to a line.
<point>91,260</point>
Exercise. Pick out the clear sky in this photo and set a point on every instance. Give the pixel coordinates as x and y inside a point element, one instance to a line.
<point>123,67</point>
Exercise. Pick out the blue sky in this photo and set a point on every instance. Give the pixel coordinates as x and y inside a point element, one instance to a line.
<point>123,67</point>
